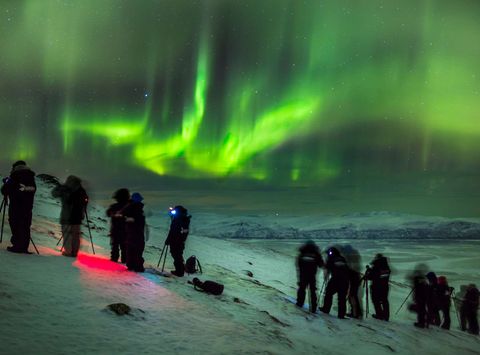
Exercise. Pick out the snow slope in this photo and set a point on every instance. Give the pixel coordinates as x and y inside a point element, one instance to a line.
<point>50,304</point>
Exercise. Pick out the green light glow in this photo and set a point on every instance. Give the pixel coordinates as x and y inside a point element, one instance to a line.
<point>279,91</point>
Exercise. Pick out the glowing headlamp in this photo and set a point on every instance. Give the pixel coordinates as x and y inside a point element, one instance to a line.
<point>172,211</point>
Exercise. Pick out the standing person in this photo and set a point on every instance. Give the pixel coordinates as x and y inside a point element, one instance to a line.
<point>433,315</point>
<point>117,225</point>
<point>20,189</point>
<point>354,260</point>
<point>74,200</point>
<point>443,300</point>
<point>354,280</point>
<point>135,232</point>
<point>468,310</point>
<point>179,228</point>
<point>338,283</point>
<point>308,261</point>
<point>379,274</point>
<point>420,298</point>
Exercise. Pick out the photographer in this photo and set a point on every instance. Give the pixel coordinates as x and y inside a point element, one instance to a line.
<point>74,202</point>
<point>308,262</point>
<point>338,284</point>
<point>177,236</point>
<point>117,225</point>
<point>379,274</point>
<point>19,190</point>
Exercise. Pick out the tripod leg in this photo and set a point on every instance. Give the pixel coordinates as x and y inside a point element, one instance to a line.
<point>89,231</point>
<point>367,304</point>
<point>452,299</point>
<point>60,241</point>
<point>165,258</point>
<point>34,246</point>
<point>161,255</point>
<point>4,208</point>
<point>399,308</point>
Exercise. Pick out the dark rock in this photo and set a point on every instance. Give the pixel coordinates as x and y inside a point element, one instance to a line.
<point>119,308</point>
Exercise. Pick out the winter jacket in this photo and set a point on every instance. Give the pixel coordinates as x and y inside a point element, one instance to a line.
<point>134,222</point>
<point>309,259</point>
<point>74,201</point>
<point>117,227</point>
<point>179,228</point>
<point>379,270</point>
<point>20,188</point>
<point>337,266</point>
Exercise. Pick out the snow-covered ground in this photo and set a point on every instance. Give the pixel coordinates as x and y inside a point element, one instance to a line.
<point>51,304</point>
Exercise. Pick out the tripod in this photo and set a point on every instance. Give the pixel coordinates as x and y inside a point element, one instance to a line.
<point>406,298</point>
<point>89,232</point>
<point>3,207</point>
<point>453,299</point>
<point>164,256</point>
<point>365,284</point>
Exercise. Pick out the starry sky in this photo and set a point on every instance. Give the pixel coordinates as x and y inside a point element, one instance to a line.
<point>363,96</point>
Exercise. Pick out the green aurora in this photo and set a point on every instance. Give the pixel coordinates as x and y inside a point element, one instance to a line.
<point>284,92</point>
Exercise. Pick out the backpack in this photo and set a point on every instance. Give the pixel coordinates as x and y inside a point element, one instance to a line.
<point>208,286</point>
<point>191,265</point>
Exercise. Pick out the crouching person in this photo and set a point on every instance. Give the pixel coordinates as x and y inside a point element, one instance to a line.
<point>74,201</point>
<point>135,232</point>
<point>308,262</point>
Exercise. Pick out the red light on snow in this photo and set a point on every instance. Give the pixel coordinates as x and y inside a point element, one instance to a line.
<point>97,262</point>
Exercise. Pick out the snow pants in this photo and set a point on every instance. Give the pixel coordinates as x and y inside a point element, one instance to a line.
<point>353,299</point>
<point>379,291</point>
<point>20,223</point>
<point>135,255</point>
<point>176,250</point>
<point>71,239</point>
<point>119,249</point>
<point>339,287</point>
<point>310,282</point>
<point>468,319</point>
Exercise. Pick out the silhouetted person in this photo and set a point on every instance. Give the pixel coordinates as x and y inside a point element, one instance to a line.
<point>117,225</point>
<point>379,274</point>
<point>353,259</point>
<point>179,228</point>
<point>338,283</point>
<point>469,309</point>
<point>135,232</point>
<point>433,316</point>
<point>442,300</point>
<point>420,296</point>
<point>308,262</point>
<point>19,190</point>
<point>74,200</point>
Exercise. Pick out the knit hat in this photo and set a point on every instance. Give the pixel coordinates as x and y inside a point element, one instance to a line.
<point>136,197</point>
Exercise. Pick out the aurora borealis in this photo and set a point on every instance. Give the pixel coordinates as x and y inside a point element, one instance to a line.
<point>284,92</point>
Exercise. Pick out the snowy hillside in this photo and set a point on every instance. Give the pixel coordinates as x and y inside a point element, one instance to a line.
<point>51,304</point>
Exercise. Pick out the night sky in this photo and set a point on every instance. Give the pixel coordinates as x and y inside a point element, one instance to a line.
<point>364,96</point>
